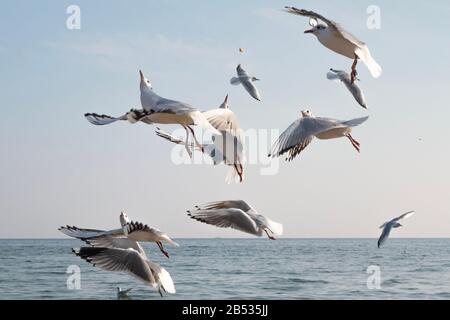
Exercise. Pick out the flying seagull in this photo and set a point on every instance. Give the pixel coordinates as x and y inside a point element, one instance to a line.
<point>228,147</point>
<point>236,214</point>
<point>156,109</point>
<point>247,82</point>
<point>355,90</point>
<point>128,260</point>
<point>302,131</point>
<point>127,236</point>
<point>387,226</point>
<point>335,38</point>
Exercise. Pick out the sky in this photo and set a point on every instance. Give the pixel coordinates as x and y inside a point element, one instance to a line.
<point>57,169</point>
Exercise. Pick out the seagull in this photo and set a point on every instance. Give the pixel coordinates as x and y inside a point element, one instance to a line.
<point>123,294</point>
<point>387,226</point>
<point>354,89</point>
<point>128,260</point>
<point>302,131</point>
<point>247,81</point>
<point>236,214</point>
<point>128,236</point>
<point>225,121</point>
<point>335,38</point>
<point>156,109</point>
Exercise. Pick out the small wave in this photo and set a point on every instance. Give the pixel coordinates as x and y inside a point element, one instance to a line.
<point>297,280</point>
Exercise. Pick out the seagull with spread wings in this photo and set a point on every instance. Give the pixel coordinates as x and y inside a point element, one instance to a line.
<point>394,223</point>
<point>128,236</point>
<point>302,131</point>
<point>156,109</point>
<point>247,82</point>
<point>228,147</point>
<point>337,39</point>
<point>236,214</point>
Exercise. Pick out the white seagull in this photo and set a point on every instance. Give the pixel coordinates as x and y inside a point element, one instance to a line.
<point>128,260</point>
<point>157,109</point>
<point>227,147</point>
<point>236,214</point>
<point>387,226</point>
<point>355,90</point>
<point>302,131</point>
<point>247,82</point>
<point>127,236</point>
<point>335,38</point>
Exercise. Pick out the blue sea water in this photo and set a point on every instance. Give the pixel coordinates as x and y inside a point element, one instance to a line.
<point>240,269</point>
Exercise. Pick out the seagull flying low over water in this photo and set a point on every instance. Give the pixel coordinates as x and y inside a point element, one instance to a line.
<point>115,250</point>
<point>394,223</point>
<point>156,109</point>
<point>339,75</point>
<point>228,147</point>
<point>335,38</point>
<point>123,294</point>
<point>247,82</point>
<point>236,214</point>
<point>302,131</point>
<point>128,235</point>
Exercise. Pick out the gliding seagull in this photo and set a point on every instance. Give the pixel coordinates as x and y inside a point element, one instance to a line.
<point>387,226</point>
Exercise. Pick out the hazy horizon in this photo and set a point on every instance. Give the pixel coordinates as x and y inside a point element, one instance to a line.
<point>58,169</point>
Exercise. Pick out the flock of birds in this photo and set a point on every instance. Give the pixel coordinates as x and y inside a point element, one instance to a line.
<point>119,249</point>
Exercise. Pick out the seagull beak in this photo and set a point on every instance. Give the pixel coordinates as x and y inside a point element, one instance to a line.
<point>256,79</point>
<point>309,31</point>
<point>142,75</point>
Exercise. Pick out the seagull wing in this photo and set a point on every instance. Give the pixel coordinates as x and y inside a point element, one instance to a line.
<point>355,90</point>
<point>226,218</point>
<point>299,135</point>
<point>115,242</point>
<point>121,260</point>
<point>227,204</point>
<point>164,105</point>
<point>404,216</point>
<point>171,138</point>
<point>102,119</point>
<point>251,88</point>
<point>241,72</point>
<point>222,119</point>
<point>385,234</point>
<point>82,234</point>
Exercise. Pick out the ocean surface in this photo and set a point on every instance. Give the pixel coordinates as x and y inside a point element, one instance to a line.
<point>240,269</point>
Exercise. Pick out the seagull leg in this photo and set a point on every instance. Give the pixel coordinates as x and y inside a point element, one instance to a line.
<point>160,293</point>
<point>162,249</point>
<point>354,73</point>
<point>355,143</point>
<point>187,142</point>
<point>270,237</point>
<point>238,168</point>
<point>195,139</point>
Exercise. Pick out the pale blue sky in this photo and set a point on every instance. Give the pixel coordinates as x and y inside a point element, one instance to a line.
<point>58,169</point>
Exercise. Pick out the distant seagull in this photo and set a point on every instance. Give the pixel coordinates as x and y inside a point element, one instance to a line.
<point>302,131</point>
<point>130,261</point>
<point>354,89</point>
<point>335,38</point>
<point>157,109</point>
<point>247,82</point>
<point>236,214</point>
<point>123,294</point>
<point>387,226</point>
<point>128,236</point>
<point>241,50</point>
<point>227,148</point>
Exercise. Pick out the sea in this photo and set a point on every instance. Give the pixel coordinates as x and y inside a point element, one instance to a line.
<point>238,269</point>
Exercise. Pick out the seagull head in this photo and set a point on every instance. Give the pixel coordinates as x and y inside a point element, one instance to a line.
<point>316,30</point>
<point>306,113</point>
<point>224,104</point>
<point>145,83</point>
<point>124,219</point>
